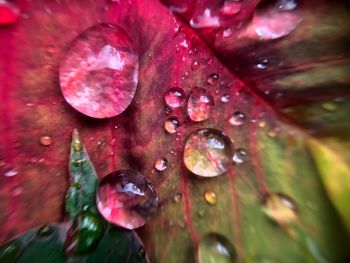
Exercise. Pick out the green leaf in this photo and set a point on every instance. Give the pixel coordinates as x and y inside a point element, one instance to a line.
<point>81,195</point>
<point>335,174</point>
<point>47,245</point>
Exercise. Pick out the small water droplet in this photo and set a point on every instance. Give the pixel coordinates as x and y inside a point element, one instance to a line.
<point>195,65</point>
<point>200,104</point>
<point>161,164</point>
<point>207,152</point>
<point>11,173</point>
<point>141,253</point>
<point>262,124</point>
<point>281,208</point>
<point>213,79</point>
<point>237,118</point>
<point>239,156</point>
<point>9,252</point>
<point>9,12</point>
<point>210,197</point>
<point>263,63</point>
<point>79,162</point>
<point>215,248</point>
<point>45,140</point>
<point>329,106</point>
<point>45,231</point>
<point>286,5</point>
<point>172,124</point>
<point>175,97</point>
<point>99,73</point>
<point>126,198</point>
<point>177,198</point>
<point>225,98</point>
<point>205,20</point>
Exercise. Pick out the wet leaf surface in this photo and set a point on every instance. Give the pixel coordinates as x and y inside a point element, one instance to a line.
<point>273,134</point>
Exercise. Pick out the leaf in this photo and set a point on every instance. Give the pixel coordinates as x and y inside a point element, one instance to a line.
<point>172,54</point>
<point>335,173</point>
<point>81,195</point>
<point>46,244</point>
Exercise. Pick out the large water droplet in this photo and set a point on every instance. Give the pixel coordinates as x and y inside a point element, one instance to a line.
<point>200,104</point>
<point>281,208</point>
<point>172,124</point>
<point>99,73</point>
<point>9,13</point>
<point>161,164</point>
<point>237,118</point>
<point>263,63</point>
<point>276,21</point>
<point>216,248</point>
<point>208,152</point>
<point>126,198</point>
<point>175,97</point>
<point>225,98</point>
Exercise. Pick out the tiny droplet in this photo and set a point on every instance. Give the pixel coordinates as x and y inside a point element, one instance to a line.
<point>210,197</point>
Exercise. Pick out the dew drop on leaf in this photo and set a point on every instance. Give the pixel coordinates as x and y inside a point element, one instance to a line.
<point>225,98</point>
<point>45,140</point>
<point>172,124</point>
<point>161,164</point>
<point>281,208</point>
<point>208,152</point>
<point>177,197</point>
<point>126,198</point>
<point>11,173</point>
<point>216,248</point>
<point>200,104</point>
<point>99,73</point>
<point>263,63</point>
<point>175,97</point>
<point>210,197</point>
<point>239,156</point>
<point>45,231</point>
<point>9,252</point>
<point>195,65</point>
<point>213,79</point>
<point>237,118</point>
<point>9,12</point>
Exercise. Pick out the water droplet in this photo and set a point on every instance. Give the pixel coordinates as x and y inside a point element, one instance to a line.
<point>237,118</point>
<point>172,124</point>
<point>210,197</point>
<point>225,98</point>
<point>207,152</point>
<point>99,73</point>
<point>126,198</point>
<point>79,162</point>
<point>262,124</point>
<point>45,231</point>
<point>141,253</point>
<point>286,5</point>
<point>45,140</point>
<point>213,79</point>
<point>9,252</point>
<point>11,173</point>
<point>276,21</point>
<point>216,248</point>
<point>177,197</point>
<point>200,104</point>
<point>239,156</point>
<point>329,106</point>
<point>231,8</point>
<point>161,164</point>
<point>205,20</point>
<point>175,97</point>
<point>281,208</point>
<point>9,13</point>
<point>85,235</point>
<point>263,63</point>
<point>195,65</point>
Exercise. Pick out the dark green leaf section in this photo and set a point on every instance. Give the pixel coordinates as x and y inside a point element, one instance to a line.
<point>47,245</point>
<point>82,192</point>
